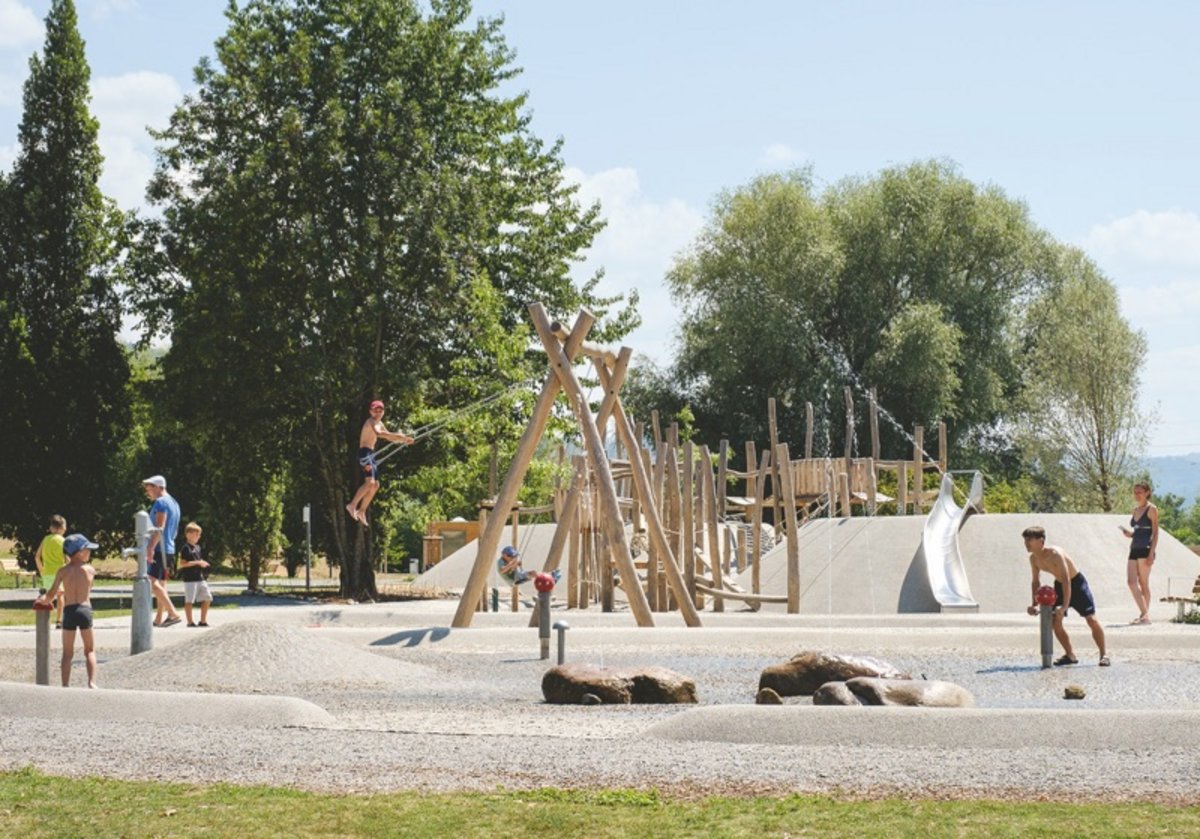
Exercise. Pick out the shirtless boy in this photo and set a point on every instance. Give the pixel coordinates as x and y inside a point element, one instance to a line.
<point>1071,591</point>
<point>75,581</point>
<point>372,429</point>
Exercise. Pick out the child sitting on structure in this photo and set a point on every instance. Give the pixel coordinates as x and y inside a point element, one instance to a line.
<point>510,570</point>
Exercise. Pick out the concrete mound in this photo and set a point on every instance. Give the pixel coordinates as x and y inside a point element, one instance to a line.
<point>255,657</point>
<point>161,707</point>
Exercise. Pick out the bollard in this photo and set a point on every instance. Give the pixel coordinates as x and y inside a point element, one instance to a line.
<point>43,641</point>
<point>141,638</point>
<point>1046,598</point>
<point>562,627</point>
<point>495,600</point>
<point>544,584</point>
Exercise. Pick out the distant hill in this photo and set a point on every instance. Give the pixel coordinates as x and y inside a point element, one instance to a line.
<point>1176,474</point>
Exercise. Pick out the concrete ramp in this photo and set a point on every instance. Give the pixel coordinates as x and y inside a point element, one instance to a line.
<point>864,566</point>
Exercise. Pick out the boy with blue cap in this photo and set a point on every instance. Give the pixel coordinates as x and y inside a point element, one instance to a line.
<point>75,581</point>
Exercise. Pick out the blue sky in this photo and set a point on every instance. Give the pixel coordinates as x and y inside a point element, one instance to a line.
<point>1084,110</point>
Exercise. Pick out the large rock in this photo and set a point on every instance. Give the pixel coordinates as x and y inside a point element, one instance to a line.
<point>910,692</point>
<point>806,672</point>
<point>567,684</point>
<point>835,693</point>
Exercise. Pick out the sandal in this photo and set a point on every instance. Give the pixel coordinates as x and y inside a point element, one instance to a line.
<point>1065,659</point>
<point>1104,662</point>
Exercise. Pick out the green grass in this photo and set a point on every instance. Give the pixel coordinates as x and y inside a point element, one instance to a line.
<point>33,804</point>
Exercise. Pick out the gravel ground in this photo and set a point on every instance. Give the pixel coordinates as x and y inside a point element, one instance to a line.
<point>418,707</point>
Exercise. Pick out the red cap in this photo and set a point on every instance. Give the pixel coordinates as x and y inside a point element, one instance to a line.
<point>376,404</point>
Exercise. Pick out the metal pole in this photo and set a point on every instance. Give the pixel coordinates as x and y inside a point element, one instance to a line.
<point>141,638</point>
<point>562,627</point>
<point>1047,613</point>
<point>307,547</point>
<point>544,622</point>
<point>43,642</point>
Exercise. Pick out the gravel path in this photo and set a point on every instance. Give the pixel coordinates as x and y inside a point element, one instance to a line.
<point>418,707</point>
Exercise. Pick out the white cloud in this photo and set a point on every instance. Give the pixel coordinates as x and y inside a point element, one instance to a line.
<point>780,154</point>
<point>125,106</point>
<point>8,156</point>
<point>637,248</point>
<point>19,26</point>
<point>105,8</point>
<point>1154,260</point>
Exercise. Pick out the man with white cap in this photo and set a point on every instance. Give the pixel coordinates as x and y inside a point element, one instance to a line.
<point>74,580</point>
<point>160,551</point>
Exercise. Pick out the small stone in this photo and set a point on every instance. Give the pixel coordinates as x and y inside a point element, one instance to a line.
<point>591,699</point>
<point>766,696</point>
<point>1074,692</point>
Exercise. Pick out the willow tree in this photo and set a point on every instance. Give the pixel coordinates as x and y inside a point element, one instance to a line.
<point>65,403</point>
<point>1085,424</point>
<point>352,208</point>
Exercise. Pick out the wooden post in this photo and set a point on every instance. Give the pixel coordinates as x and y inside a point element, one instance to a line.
<point>793,531</point>
<point>642,481</point>
<point>760,483</point>
<point>873,413</point>
<point>689,525</point>
<point>943,450</point>
<point>710,519</point>
<point>872,487</point>
<point>918,469</point>
<point>848,395</point>
<point>741,550</point>
<point>722,482</point>
<point>844,494</point>
<point>574,580</point>
<point>611,520</point>
<point>657,429</point>
<point>773,431</point>
<point>902,488</point>
<point>652,544</point>
<point>808,430</point>
<point>489,537</point>
<point>674,507</point>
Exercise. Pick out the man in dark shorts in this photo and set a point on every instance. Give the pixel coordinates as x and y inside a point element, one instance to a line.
<point>372,429</point>
<point>160,551</point>
<point>1071,592</point>
<point>75,581</point>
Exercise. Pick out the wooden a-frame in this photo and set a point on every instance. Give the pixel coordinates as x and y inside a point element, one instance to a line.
<point>561,351</point>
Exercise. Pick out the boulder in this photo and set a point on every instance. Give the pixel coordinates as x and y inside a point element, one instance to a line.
<point>835,693</point>
<point>804,673</point>
<point>766,696</point>
<point>660,686</point>
<point>569,684</point>
<point>910,692</point>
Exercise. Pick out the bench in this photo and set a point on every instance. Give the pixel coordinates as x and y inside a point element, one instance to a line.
<point>10,566</point>
<point>1182,600</point>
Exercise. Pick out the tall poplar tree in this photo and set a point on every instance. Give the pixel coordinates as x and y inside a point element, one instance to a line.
<point>65,403</point>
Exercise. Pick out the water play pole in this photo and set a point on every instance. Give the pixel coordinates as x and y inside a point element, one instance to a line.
<point>140,638</point>
<point>42,642</point>
<point>1046,599</point>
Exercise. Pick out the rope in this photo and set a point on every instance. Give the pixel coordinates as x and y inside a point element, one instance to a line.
<point>433,428</point>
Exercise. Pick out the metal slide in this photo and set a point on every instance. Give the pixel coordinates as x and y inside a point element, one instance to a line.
<point>939,544</point>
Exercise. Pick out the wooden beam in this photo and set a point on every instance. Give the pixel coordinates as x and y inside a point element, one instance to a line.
<point>641,480</point>
<point>783,461</point>
<point>808,430</point>
<point>489,539</point>
<point>611,520</point>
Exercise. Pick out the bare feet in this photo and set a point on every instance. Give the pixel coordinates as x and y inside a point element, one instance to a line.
<point>353,511</point>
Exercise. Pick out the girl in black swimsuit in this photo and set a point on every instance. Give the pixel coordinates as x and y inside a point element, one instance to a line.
<point>1143,533</point>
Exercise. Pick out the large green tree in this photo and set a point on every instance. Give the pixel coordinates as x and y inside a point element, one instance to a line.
<point>65,403</point>
<point>1084,423</point>
<point>909,281</point>
<point>352,208</point>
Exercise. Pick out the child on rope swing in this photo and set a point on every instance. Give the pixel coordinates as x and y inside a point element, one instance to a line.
<point>508,566</point>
